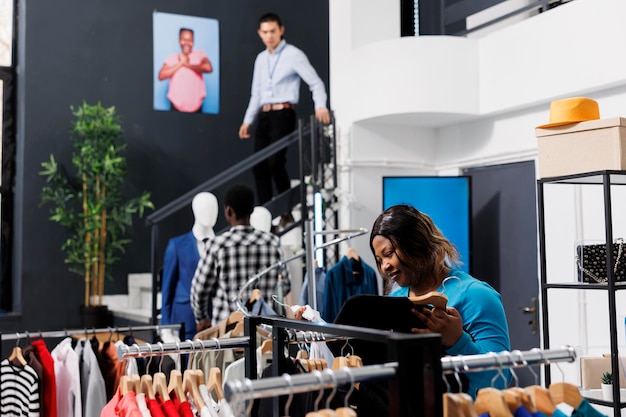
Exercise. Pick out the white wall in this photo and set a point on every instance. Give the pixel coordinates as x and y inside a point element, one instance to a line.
<point>433,105</point>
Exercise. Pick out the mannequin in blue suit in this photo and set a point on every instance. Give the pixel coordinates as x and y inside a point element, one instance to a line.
<point>181,259</point>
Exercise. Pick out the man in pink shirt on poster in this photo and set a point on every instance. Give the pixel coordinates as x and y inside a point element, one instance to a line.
<point>185,71</point>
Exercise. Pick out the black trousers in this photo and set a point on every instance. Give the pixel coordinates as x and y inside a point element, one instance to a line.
<point>272,126</point>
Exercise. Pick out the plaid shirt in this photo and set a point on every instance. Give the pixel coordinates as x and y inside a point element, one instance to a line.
<point>229,261</point>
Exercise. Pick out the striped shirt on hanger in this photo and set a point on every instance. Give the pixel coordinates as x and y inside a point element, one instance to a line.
<point>20,390</point>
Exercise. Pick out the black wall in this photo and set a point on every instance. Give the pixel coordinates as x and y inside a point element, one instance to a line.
<point>97,50</point>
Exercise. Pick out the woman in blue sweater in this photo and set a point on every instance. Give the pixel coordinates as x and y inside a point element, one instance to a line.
<point>412,252</point>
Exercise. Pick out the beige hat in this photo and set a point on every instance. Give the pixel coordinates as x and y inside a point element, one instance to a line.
<point>572,110</point>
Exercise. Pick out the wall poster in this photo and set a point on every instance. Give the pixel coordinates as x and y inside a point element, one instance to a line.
<point>186,63</point>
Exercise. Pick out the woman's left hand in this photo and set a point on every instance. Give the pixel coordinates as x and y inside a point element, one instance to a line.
<point>448,323</point>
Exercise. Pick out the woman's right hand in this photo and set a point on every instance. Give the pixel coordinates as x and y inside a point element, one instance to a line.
<point>448,323</point>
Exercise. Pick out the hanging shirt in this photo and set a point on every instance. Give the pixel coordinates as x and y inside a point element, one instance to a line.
<point>142,404</point>
<point>67,374</point>
<point>320,282</point>
<point>93,391</point>
<point>155,408</point>
<point>585,409</point>
<point>110,409</point>
<point>127,407</point>
<point>168,407</point>
<point>29,353</point>
<point>19,390</point>
<point>346,278</point>
<point>210,406</point>
<point>260,308</point>
<point>50,385</point>
<point>108,361</point>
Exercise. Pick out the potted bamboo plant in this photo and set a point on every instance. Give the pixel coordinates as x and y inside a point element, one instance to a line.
<point>90,203</point>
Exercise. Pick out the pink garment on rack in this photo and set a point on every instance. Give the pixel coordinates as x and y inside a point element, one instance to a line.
<point>127,406</point>
<point>110,409</point>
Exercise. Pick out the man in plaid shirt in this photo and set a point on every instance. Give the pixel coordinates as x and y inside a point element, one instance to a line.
<point>231,259</point>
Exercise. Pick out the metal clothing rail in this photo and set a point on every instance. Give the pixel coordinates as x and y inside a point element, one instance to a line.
<point>506,359</point>
<point>72,332</point>
<point>238,391</point>
<point>351,233</point>
<point>191,346</point>
<point>303,336</point>
<point>188,346</point>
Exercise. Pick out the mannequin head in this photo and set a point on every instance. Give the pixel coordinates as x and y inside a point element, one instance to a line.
<point>205,209</point>
<point>261,219</point>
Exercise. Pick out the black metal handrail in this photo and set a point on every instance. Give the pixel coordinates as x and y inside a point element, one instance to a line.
<point>225,176</point>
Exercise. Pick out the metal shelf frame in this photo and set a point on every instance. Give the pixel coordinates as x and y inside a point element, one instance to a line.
<point>604,179</point>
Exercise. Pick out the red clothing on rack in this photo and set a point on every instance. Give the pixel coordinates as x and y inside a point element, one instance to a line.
<point>50,386</point>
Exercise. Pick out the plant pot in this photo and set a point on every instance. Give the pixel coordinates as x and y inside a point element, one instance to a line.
<point>95,317</point>
<point>607,392</point>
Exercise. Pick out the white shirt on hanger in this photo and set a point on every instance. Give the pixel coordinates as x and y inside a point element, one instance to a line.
<point>67,375</point>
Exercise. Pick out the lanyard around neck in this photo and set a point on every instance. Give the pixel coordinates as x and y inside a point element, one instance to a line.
<point>270,69</point>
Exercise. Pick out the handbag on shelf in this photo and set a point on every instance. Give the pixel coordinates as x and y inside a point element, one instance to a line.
<point>591,262</point>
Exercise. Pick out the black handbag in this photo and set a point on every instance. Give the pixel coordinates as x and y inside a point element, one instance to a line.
<point>591,262</point>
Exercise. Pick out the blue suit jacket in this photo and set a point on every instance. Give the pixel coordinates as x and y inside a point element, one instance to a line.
<point>181,260</point>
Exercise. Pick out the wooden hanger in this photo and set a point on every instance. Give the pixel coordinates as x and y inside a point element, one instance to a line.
<point>238,330</point>
<point>352,254</point>
<point>564,392</point>
<point>235,317</point>
<point>199,376</point>
<point>452,406</point>
<point>339,362</point>
<point>302,354</point>
<point>147,386</point>
<point>355,361</point>
<point>256,295</point>
<point>541,399</point>
<point>467,404</point>
<point>490,400</point>
<point>176,385</point>
<point>17,354</point>
<point>190,385</point>
<point>527,401</point>
<point>267,346</point>
<point>129,383</point>
<point>345,412</point>
<point>214,384</point>
<point>436,299</point>
<point>512,399</point>
<point>159,383</point>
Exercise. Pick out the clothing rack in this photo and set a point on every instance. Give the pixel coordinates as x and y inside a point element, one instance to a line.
<point>412,365</point>
<point>87,331</point>
<point>192,346</point>
<point>310,248</point>
<point>66,333</point>
<point>188,346</point>
<point>239,391</point>
<point>512,359</point>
